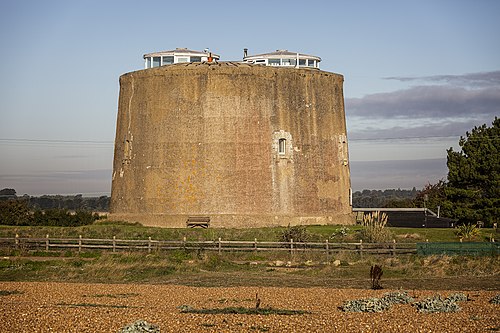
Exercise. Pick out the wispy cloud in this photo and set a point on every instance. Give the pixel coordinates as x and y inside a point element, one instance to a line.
<point>482,79</point>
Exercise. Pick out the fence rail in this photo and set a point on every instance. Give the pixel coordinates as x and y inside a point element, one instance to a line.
<point>81,244</point>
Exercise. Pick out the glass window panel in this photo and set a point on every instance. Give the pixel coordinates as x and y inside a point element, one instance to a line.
<point>281,146</point>
<point>310,63</point>
<point>167,60</point>
<point>148,62</point>
<point>274,62</point>
<point>156,61</point>
<point>195,59</point>
<point>302,62</point>
<point>183,59</point>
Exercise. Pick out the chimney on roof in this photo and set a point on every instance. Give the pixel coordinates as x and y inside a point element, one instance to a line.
<point>245,53</point>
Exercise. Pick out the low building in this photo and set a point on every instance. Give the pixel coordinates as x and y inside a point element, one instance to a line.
<point>178,55</point>
<point>283,58</point>
<point>408,217</point>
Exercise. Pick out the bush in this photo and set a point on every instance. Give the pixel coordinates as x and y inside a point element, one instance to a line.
<point>467,231</point>
<point>15,212</point>
<point>374,230</point>
<point>298,233</point>
<point>63,218</point>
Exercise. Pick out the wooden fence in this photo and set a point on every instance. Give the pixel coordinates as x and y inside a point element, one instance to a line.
<point>149,245</point>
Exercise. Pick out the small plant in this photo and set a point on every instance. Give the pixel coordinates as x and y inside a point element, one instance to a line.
<point>374,230</point>
<point>341,233</point>
<point>375,275</point>
<point>467,231</point>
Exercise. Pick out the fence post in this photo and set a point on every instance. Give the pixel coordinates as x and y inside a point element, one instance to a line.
<point>114,243</point>
<point>220,245</point>
<point>184,243</point>
<point>255,245</point>
<point>17,241</point>
<point>149,245</point>
<point>327,246</point>
<point>393,252</point>
<point>80,244</point>
<point>291,245</point>
<point>47,243</point>
<point>361,248</point>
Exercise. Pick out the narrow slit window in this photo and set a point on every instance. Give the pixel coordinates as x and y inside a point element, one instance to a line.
<point>282,146</point>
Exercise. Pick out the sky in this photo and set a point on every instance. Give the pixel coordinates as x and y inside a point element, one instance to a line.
<point>418,75</point>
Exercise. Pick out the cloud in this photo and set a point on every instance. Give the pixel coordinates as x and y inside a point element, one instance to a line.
<point>427,102</point>
<point>478,80</point>
<point>419,129</point>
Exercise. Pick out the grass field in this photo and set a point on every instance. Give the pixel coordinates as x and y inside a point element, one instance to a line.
<point>316,233</point>
<point>205,268</point>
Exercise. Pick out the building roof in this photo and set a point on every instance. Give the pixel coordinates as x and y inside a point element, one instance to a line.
<point>177,51</point>
<point>283,54</point>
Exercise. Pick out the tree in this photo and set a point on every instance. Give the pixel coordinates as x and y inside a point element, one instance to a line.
<point>473,189</point>
<point>432,196</point>
<point>8,192</point>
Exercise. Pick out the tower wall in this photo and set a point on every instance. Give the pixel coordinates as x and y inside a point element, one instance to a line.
<point>204,140</point>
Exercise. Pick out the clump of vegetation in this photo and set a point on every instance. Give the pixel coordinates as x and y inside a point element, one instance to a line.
<point>438,304</point>
<point>9,292</point>
<point>495,300</point>
<point>140,326</point>
<point>340,233</point>
<point>458,297</point>
<point>374,230</point>
<point>467,231</point>
<point>375,275</point>
<point>376,304</point>
<point>297,233</point>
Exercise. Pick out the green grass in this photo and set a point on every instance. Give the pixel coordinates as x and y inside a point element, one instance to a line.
<point>317,233</point>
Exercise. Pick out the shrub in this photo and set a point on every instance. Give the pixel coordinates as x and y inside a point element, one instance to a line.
<point>374,230</point>
<point>15,212</point>
<point>467,231</point>
<point>298,233</point>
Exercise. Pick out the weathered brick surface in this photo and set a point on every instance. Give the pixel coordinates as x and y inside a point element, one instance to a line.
<point>203,139</point>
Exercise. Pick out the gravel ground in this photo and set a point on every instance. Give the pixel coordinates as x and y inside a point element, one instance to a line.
<point>72,307</point>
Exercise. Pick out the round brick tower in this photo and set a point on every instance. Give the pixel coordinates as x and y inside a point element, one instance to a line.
<point>243,145</point>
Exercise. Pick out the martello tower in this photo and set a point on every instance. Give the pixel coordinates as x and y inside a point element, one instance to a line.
<point>246,145</point>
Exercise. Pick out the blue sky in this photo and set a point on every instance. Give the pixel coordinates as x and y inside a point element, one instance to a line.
<point>418,74</point>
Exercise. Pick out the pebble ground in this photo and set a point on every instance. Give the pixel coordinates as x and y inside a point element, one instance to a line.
<point>76,307</point>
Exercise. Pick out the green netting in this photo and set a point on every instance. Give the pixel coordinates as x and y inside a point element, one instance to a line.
<point>457,248</point>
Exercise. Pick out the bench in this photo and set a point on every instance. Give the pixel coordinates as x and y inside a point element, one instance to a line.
<point>198,221</point>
